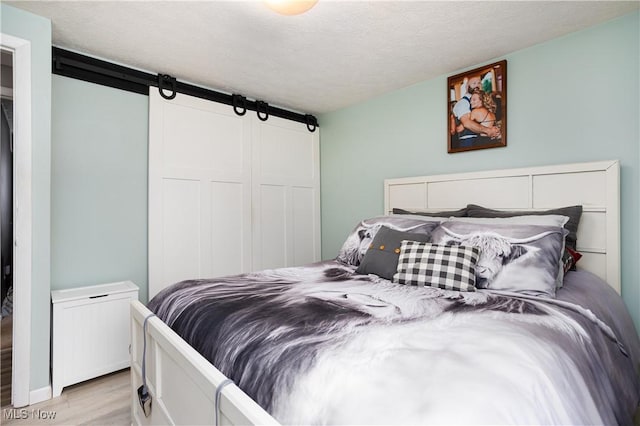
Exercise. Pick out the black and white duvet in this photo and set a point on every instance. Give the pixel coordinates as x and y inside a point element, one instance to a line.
<point>322,345</point>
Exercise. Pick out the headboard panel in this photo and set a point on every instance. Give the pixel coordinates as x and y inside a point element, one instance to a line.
<point>595,185</point>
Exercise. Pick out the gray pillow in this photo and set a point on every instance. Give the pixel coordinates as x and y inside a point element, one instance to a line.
<point>359,239</point>
<point>572,212</point>
<point>451,213</point>
<point>513,257</point>
<point>381,258</point>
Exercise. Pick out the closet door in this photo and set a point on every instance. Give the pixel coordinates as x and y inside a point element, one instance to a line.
<point>286,194</point>
<point>199,190</point>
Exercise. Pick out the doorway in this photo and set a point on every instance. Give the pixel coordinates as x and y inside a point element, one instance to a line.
<point>6,225</point>
<point>22,223</point>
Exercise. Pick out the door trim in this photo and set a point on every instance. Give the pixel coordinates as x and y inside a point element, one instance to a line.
<point>22,213</point>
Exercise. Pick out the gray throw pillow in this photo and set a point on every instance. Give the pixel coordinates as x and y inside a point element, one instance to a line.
<point>360,238</point>
<point>381,258</point>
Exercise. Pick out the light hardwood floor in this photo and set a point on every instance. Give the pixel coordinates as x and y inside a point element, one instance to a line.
<point>6,343</point>
<point>101,401</point>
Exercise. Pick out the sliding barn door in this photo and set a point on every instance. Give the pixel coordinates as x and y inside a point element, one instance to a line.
<point>228,194</point>
<point>286,194</point>
<point>199,190</point>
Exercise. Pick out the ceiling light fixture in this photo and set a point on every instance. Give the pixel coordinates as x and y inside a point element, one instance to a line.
<point>290,7</point>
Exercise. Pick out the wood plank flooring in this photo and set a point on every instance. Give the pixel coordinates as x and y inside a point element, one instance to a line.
<point>101,401</point>
<point>6,343</point>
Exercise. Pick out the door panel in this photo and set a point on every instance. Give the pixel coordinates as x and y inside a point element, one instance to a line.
<point>273,229</point>
<point>199,190</point>
<point>230,252</point>
<point>304,217</point>
<point>181,230</point>
<point>285,156</point>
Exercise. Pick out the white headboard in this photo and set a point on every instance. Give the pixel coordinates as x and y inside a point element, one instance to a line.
<point>595,186</point>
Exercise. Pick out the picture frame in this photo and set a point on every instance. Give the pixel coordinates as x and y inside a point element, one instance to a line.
<point>477,108</point>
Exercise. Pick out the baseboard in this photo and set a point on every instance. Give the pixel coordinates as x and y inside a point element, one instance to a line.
<point>39,395</point>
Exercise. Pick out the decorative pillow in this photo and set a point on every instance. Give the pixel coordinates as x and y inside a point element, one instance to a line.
<point>382,256</point>
<point>572,212</point>
<point>513,257</point>
<point>361,237</point>
<point>569,259</point>
<point>545,220</point>
<point>452,213</point>
<point>450,267</point>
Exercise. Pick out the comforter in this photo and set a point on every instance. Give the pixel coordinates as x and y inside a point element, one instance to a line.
<point>322,345</point>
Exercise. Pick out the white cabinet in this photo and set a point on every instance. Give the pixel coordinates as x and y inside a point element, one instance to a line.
<point>91,332</point>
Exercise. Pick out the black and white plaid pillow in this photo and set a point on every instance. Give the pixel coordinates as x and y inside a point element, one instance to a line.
<point>443,266</point>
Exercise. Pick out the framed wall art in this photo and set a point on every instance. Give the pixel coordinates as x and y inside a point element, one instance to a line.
<point>477,105</point>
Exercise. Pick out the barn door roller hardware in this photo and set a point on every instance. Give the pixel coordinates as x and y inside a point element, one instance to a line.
<point>262,109</point>
<point>239,104</point>
<point>312,123</point>
<point>75,65</point>
<point>165,80</point>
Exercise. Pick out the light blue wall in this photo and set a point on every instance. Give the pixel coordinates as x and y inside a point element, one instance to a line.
<point>98,185</point>
<point>37,30</point>
<point>572,99</point>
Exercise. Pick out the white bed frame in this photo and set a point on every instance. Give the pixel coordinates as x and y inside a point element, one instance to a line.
<point>183,383</point>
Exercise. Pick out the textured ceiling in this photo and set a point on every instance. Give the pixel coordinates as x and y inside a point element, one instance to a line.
<point>337,54</point>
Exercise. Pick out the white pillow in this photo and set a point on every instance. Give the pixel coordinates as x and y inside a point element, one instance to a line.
<point>539,220</point>
<point>425,218</point>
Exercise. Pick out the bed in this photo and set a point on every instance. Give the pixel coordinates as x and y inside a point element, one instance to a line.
<point>334,343</point>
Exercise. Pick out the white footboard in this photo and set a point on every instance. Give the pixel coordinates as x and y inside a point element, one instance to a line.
<point>181,382</point>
